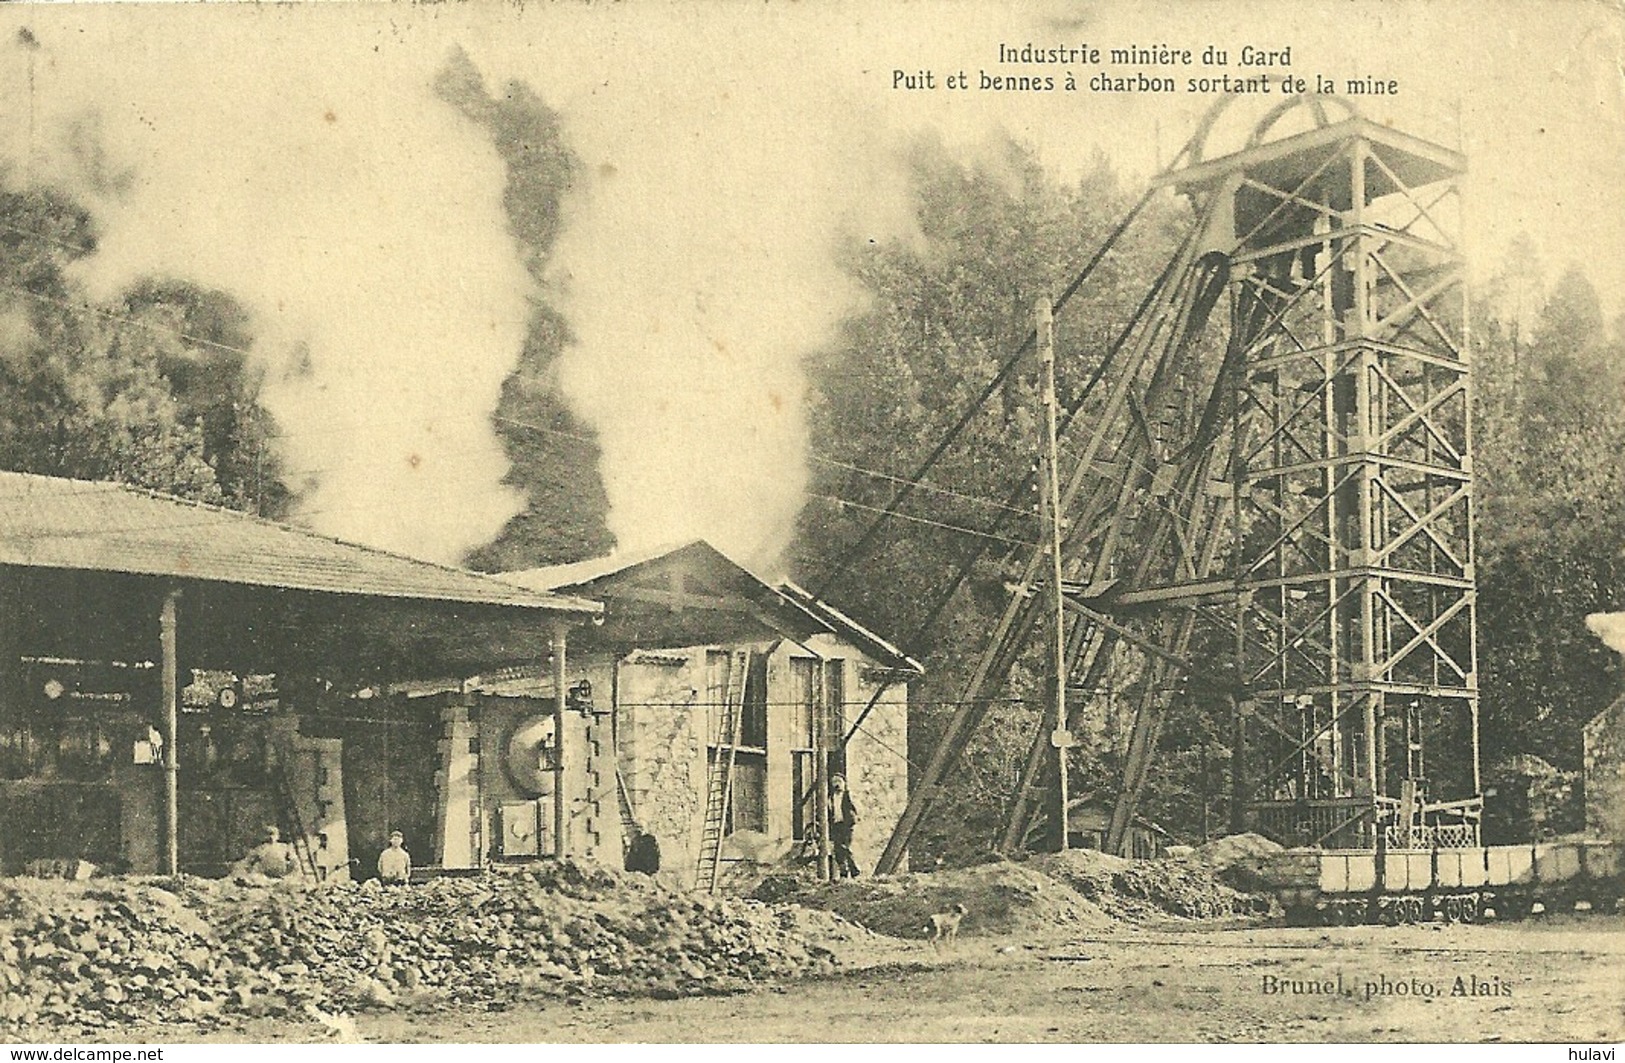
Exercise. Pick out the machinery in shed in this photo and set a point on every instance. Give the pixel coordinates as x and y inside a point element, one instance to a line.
<point>174,677</point>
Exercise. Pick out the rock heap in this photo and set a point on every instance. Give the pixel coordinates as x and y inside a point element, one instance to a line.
<point>1001,897</point>
<point>129,952</point>
<point>1148,889</point>
<point>1054,893</point>
<point>106,954</point>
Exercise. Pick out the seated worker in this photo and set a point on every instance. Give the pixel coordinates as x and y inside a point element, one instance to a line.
<point>395,863</point>
<point>272,858</point>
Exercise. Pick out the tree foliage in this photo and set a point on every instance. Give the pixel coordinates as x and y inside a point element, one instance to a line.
<point>947,306</point>
<point>152,388</point>
<point>1550,480</point>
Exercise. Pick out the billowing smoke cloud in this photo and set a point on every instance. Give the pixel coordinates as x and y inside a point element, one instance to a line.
<point>360,219</point>
<point>297,157</point>
<point>1610,627</point>
<point>699,266</point>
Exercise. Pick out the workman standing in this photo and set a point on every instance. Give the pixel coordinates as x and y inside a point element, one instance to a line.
<point>843,817</point>
<point>395,863</point>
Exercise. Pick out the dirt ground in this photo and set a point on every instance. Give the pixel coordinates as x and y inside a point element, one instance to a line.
<point>1558,979</point>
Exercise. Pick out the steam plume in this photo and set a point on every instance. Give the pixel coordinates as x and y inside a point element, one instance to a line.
<point>363,228</point>
<point>697,269</point>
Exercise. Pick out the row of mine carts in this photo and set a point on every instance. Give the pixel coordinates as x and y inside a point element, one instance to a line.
<point>1450,885</point>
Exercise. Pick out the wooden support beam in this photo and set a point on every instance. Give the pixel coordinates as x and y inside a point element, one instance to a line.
<point>1436,161</point>
<point>822,812</point>
<point>169,679</point>
<point>561,802</point>
<point>1020,614</point>
<point>1086,642</point>
<point>1049,461</point>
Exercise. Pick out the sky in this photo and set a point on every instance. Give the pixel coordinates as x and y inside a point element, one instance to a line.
<point>296,156</point>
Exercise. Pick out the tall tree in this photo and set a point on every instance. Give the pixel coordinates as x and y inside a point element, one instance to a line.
<point>201,339</point>
<point>1551,529</point>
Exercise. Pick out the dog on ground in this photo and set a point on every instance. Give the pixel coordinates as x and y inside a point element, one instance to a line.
<point>944,926</point>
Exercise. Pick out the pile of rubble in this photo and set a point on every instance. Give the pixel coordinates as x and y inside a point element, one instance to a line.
<point>1082,889</point>
<point>1148,889</point>
<point>109,954</point>
<point>128,952</point>
<point>1237,858</point>
<point>1002,897</point>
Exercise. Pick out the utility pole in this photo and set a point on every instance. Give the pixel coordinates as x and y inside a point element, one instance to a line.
<point>1050,489</point>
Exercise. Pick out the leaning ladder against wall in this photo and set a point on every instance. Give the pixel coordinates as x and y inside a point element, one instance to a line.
<point>287,805</point>
<point>719,790</point>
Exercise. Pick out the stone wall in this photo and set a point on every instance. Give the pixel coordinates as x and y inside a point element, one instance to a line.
<point>1605,773</point>
<point>876,761</point>
<point>660,737</point>
<point>593,821</point>
<point>662,741</point>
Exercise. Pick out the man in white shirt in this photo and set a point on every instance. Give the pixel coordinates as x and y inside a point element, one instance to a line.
<point>395,863</point>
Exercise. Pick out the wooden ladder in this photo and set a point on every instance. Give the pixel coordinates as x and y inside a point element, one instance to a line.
<point>629,819</point>
<point>282,788</point>
<point>720,788</point>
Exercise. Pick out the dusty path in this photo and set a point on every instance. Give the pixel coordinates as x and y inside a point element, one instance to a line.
<point>1561,980</point>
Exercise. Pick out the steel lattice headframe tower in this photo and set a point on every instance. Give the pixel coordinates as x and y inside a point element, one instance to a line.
<point>1351,469</point>
<point>1292,492</point>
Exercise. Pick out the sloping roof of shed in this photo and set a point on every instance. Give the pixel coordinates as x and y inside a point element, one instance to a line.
<point>856,633</point>
<point>1604,719</point>
<point>48,522</point>
<point>580,573</point>
<point>600,577</point>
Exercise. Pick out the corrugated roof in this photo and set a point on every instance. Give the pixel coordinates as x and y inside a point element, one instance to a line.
<point>48,522</point>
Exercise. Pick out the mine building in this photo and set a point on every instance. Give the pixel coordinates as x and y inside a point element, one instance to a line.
<point>721,705</point>
<point>1089,822</point>
<point>1604,772</point>
<point>176,676</point>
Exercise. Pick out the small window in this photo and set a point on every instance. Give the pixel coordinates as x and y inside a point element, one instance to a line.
<point>803,701</point>
<point>749,807</point>
<point>817,697</point>
<point>753,724</point>
<point>723,688</point>
<point>737,715</point>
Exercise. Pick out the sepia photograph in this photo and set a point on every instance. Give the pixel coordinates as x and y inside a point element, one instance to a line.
<point>1020,522</point>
